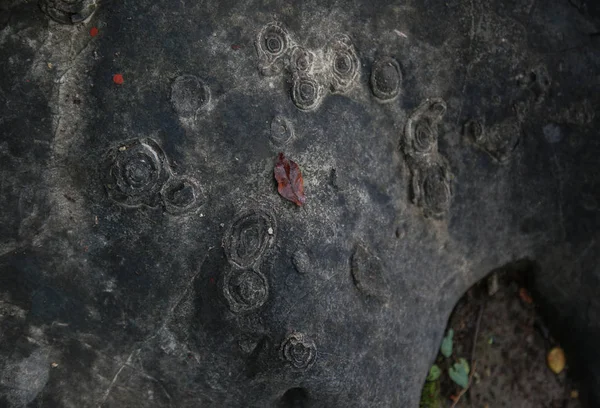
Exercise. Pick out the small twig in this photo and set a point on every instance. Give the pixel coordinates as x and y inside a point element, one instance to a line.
<point>473,362</point>
<point>477,326</point>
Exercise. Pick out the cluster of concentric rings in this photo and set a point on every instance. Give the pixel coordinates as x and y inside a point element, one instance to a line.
<point>251,233</point>
<point>431,178</point>
<point>138,173</point>
<point>68,11</point>
<point>314,72</point>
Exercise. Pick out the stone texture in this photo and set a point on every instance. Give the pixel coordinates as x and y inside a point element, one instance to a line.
<point>138,294</point>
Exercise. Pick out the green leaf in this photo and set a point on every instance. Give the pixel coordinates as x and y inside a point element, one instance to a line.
<point>465,364</point>
<point>434,373</point>
<point>446,348</point>
<point>459,373</point>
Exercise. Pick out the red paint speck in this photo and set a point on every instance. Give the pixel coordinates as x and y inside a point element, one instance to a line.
<point>118,79</point>
<point>212,280</point>
<point>236,47</point>
<point>93,31</point>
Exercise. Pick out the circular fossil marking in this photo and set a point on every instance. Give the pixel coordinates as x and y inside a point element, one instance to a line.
<point>272,45</point>
<point>367,273</point>
<point>306,93</point>
<point>281,130</point>
<point>386,78</point>
<point>425,136</point>
<point>274,39</point>
<point>136,173</point>
<point>436,190</point>
<point>249,237</point>
<point>180,195</point>
<point>473,129</point>
<point>302,60</point>
<point>245,289</point>
<point>344,63</point>
<point>301,261</point>
<point>68,11</point>
<point>421,132</point>
<point>299,351</point>
<point>188,94</point>
<point>431,179</point>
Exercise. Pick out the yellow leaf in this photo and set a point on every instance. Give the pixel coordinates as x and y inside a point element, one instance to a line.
<point>556,360</point>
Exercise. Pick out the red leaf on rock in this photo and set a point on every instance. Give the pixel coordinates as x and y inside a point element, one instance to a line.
<point>289,180</point>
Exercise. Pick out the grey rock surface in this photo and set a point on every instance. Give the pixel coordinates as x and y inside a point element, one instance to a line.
<point>146,259</point>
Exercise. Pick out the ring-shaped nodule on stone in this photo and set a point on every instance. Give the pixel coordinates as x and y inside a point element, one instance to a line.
<point>421,134</point>
<point>245,289</point>
<point>273,43</point>
<point>249,235</point>
<point>306,93</point>
<point>180,195</point>
<point>274,40</point>
<point>281,130</point>
<point>136,173</point>
<point>68,11</point>
<point>386,79</point>
<point>299,351</point>
<point>436,190</point>
<point>301,60</point>
<point>344,63</point>
<point>189,94</point>
<point>424,138</point>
